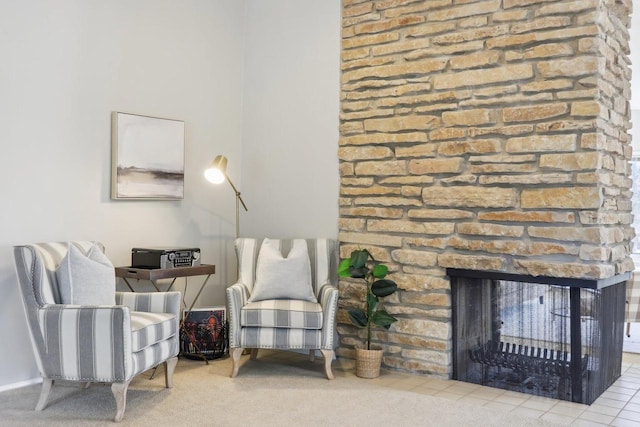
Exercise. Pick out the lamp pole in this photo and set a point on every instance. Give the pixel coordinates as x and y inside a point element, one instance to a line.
<point>238,202</point>
<point>217,173</point>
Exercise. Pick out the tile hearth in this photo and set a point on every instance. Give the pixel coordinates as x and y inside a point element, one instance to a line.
<point>618,406</point>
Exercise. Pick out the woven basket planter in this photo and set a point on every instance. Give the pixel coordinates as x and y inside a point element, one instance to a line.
<point>368,362</point>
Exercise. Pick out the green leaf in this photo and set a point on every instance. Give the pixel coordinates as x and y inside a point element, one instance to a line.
<point>382,318</point>
<point>359,258</point>
<point>343,268</point>
<point>358,318</point>
<point>357,273</point>
<point>372,301</point>
<point>379,271</point>
<point>384,287</point>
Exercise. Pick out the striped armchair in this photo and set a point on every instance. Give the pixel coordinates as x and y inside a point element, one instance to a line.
<point>284,323</point>
<point>98,343</point>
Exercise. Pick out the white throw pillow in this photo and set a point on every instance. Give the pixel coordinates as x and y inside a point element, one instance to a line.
<point>278,277</point>
<point>86,279</point>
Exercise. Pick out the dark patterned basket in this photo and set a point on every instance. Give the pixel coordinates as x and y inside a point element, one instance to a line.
<point>204,335</point>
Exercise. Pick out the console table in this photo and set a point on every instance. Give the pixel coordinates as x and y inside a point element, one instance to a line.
<point>153,275</point>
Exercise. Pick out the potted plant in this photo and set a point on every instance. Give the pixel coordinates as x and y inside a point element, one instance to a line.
<point>362,265</point>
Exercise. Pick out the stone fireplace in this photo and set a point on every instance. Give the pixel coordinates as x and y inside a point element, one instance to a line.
<point>487,135</point>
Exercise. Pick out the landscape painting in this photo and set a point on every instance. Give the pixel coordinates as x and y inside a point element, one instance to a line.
<point>147,157</point>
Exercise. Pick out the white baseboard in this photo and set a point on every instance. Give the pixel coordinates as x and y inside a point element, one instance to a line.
<point>20,384</point>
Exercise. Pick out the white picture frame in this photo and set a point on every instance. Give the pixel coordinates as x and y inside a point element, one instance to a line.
<point>147,157</point>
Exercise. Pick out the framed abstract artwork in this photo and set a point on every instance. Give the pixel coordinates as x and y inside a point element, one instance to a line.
<point>147,157</point>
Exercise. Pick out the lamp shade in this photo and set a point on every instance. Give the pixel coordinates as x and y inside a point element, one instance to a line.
<point>216,173</point>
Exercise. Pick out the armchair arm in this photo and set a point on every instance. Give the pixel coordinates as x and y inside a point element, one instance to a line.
<point>237,296</point>
<point>151,302</point>
<point>328,299</point>
<point>86,343</point>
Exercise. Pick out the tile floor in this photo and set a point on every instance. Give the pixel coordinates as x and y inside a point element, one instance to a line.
<point>618,406</point>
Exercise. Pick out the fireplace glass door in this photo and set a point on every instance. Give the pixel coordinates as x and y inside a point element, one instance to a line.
<point>547,340</point>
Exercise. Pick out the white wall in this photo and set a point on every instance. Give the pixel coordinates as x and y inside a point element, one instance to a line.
<point>291,106</point>
<point>66,65</point>
<point>635,80</point>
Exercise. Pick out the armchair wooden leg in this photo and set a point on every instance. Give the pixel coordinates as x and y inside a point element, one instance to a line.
<point>169,367</point>
<point>254,354</point>
<point>328,358</point>
<point>119,391</point>
<point>47,383</point>
<point>235,358</point>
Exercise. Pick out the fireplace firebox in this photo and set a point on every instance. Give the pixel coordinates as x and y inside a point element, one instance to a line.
<point>547,336</point>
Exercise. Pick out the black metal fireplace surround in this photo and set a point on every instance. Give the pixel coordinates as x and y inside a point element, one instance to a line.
<point>547,336</point>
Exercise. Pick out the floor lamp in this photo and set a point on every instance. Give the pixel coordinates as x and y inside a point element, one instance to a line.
<point>217,174</point>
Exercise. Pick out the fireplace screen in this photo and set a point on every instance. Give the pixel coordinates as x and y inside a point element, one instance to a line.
<point>547,340</point>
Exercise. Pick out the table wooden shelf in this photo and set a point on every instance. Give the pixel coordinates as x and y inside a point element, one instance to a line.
<point>164,273</point>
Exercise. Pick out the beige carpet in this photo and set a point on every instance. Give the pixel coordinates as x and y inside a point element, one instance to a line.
<point>267,392</point>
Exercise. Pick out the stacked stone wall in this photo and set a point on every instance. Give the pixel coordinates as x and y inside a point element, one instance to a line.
<point>480,134</point>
